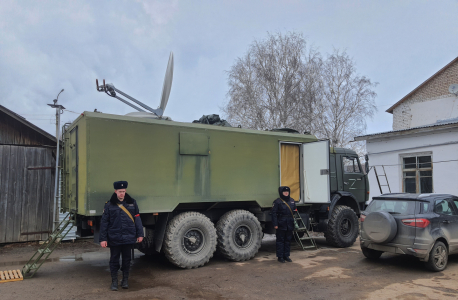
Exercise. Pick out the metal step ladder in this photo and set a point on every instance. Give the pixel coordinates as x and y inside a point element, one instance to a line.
<point>301,233</point>
<point>378,179</point>
<point>40,256</point>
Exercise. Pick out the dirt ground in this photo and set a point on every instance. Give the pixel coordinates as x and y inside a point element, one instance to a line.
<point>80,271</point>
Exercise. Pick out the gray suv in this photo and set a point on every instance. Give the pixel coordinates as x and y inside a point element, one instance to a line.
<point>422,225</point>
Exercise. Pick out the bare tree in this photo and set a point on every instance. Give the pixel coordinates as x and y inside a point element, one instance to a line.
<point>266,86</point>
<point>347,99</point>
<point>280,83</point>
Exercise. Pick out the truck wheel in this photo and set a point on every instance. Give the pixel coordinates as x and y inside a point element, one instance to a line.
<point>146,246</point>
<point>438,257</point>
<point>371,253</point>
<point>342,228</point>
<point>190,240</point>
<point>239,235</point>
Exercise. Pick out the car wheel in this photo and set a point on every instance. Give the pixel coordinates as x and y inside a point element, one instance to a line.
<point>371,253</point>
<point>438,257</point>
<point>190,240</point>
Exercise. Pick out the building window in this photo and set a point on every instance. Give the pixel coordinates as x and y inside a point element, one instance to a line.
<point>417,174</point>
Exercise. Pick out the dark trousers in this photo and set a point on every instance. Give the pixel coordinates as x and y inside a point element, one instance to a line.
<point>115,252</point>
<point>284,242</point>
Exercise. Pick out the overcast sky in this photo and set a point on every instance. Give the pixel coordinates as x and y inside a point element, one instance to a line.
<point>49,45</point>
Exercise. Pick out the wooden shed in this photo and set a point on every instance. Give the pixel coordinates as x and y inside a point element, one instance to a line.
<point>27,171</point>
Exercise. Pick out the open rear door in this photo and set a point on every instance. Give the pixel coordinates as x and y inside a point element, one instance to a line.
<point>315,176</point>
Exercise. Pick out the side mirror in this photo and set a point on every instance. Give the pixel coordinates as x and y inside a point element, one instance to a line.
<point>366,164</point>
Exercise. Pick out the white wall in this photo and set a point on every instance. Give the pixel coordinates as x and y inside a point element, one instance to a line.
<point>445,174</point>
<point>428,112</point>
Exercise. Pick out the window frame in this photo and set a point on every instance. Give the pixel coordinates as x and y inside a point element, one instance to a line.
<point>451,205</point>
<point>417,171</point>
<point>355,161</point>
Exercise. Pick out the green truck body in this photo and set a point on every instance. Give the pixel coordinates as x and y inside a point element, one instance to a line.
<point>175,168</point>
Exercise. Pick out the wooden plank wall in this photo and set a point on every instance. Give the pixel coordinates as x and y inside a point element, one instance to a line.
<point>26,196</point>
<point>13,132</point>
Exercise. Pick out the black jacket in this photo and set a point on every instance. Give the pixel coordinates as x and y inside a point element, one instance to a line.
<point>281,215</point>
<point>116,227</point>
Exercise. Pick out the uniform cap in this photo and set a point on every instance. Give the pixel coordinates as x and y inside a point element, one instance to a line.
<point>120,185</point>
<point>283,189</point>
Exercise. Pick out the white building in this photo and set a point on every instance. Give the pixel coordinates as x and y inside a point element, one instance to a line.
<point>420,155</point>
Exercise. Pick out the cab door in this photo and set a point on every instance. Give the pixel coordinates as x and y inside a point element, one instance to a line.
<point>353,178</point>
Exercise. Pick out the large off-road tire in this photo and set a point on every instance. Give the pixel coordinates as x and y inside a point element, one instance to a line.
<point>239,235</point>
<point>343,227</point>
<point>190,240</point>
<point>147,245</point>
<point>438,257</point>
<point>371,253</point>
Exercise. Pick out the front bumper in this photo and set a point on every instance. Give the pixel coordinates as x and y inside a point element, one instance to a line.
<point>420,251</point>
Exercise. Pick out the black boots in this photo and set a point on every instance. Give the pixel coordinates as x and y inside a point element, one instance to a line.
<point>124,283</point>
<point>285,259</point>
<point>114,282</point>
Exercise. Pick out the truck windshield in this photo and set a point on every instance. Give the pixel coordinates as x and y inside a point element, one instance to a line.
<point>392,206</point>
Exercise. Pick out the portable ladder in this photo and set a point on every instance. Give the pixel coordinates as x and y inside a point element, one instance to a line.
<point>40,256</point>
<point>301,233</point>
<point>378,179</point>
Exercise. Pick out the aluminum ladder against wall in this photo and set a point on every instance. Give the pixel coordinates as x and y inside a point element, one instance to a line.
<point>378,179</point>
<point>301,233</point>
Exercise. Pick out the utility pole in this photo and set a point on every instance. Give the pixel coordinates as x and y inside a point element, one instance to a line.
<point>59,110</point>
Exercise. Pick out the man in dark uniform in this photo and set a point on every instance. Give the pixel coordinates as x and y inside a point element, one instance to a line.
<point>120,228</point>
<point>282,219</point>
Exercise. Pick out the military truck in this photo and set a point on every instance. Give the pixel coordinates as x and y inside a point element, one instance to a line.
<point>202,188</point>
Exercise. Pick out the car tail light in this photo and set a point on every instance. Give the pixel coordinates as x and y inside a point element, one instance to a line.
<point>422,223</point>
<point>362,217</point>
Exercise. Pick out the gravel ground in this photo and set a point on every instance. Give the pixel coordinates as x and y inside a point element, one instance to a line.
<point>80,271</point>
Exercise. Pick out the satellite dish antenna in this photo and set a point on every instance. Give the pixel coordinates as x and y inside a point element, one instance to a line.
<point>167,86</point>
<point>453,89</point>
<point>111,91</point>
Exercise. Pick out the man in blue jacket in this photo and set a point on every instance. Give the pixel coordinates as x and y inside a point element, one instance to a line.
<point>120,228</point>
<point>282,219</point>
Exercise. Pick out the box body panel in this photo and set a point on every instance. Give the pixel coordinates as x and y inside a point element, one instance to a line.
<point>241,164</point>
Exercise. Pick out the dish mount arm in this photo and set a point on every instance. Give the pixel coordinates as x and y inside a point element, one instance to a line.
<point>111,91</point>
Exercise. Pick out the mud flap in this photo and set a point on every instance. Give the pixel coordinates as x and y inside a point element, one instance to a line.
<point>159,230</point>
<point>96,229</point>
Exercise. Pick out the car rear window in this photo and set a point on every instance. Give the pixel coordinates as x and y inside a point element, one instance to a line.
<point>392,206</point>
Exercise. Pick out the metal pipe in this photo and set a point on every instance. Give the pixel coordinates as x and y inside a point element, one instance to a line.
<point>134,100</point>
<point>131,105</point>
<point>56,181</point>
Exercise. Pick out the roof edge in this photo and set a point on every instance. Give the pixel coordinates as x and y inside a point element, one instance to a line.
<point>27,123</point>
<point>403,131</point>
<point>89,114</point>
<point>390,110</point>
